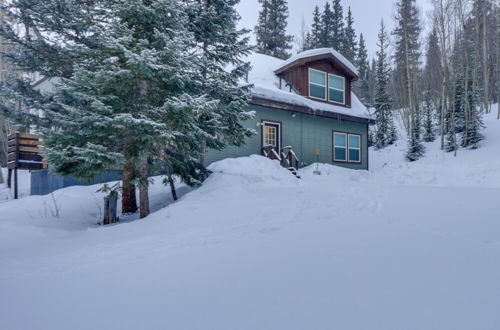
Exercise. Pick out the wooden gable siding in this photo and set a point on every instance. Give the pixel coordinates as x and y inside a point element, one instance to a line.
<point>298,77</point>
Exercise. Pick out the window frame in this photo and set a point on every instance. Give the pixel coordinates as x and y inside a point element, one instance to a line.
<point>309,82</point>
<point>347,148</point>
<point>336,89</point>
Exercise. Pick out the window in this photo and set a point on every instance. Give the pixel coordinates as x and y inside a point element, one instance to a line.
<point>346,147</point>
<point>354,146</point>
<point>270,136</point>
<point>336,88</point>
<point>317,84</point>
<point>339,146</point>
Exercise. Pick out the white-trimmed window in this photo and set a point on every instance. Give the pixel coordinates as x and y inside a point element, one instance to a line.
<point>339,147</point>
<point>354,146</point>
<point>317,84</point>
<point>336,88</point>
<point>346,147</point>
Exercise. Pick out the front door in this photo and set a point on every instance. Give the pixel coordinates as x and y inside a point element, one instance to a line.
<point>271,135</point>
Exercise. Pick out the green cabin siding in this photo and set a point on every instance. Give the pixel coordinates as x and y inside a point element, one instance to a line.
<point>305,133</point>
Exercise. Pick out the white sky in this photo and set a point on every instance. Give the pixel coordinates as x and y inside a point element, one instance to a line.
<point>367,15</point>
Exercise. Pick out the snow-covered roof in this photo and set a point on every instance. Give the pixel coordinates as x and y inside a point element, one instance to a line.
<point>267,85</point>
<point>317,52</point>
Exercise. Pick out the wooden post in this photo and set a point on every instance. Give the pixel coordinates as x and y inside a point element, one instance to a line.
<point>110,204</point>
<point>9,178</point>
<point>15,184</point>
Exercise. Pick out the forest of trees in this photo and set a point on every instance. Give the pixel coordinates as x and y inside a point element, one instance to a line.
<point>437,85</point>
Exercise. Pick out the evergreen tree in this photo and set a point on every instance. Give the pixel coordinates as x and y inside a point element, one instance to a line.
<point>371,73</point>
<point>415,148</point>
<point>221,45</point>
<point>386,129</point>
<point>349,44</point>
<point>327,25</point>
<point>338,27</point>
<point>272,38</point>
<point>361,87</point>
<point>433,72</point>
<point>316,29</point>
<point>407,54</point>
<point>429,134</point>
<point>407,72</point>
<point>121,67</point>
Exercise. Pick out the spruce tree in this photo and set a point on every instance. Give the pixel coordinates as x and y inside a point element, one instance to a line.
<point>270,31</point>
<point>349,43</point>
<point>316,29</point>
<point>338,27</point>
<point>221,45</point>
<point>407,72</point>
<point>415,148</point>
<point>361,87</point>
<point>429,134</point>
<point>327,25</point>
<point>386,130</point>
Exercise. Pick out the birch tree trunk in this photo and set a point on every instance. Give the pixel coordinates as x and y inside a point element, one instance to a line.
<point>486,79</point>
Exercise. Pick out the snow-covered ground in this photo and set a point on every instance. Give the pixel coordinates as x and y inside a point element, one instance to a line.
<point>404,246</point>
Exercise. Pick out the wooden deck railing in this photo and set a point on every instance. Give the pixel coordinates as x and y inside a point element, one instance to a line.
<point>286,157</point>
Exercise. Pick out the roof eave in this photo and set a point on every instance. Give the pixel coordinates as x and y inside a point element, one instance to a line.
<point>270,103</point>
<point>315,58</point>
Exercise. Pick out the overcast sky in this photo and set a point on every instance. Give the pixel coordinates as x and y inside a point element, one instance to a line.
<point>367,15</point>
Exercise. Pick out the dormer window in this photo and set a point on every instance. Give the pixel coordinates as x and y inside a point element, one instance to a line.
<point>326,87</point>
<point>317,84</point>
<point>336,88</point>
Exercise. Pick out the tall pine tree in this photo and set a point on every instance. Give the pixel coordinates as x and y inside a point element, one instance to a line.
<point>338,27</point>
<point>316,29</point>
<point>349,43</point>
<point>407,72</point>
<point>386,130</point>
<point>270,31</point>
<point>220,45</point>
<point>327,25</point>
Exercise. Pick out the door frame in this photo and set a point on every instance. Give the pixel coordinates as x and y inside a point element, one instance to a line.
<point>275,123</point>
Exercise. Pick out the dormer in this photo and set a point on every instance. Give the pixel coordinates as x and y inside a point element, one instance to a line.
<point>321,75</point>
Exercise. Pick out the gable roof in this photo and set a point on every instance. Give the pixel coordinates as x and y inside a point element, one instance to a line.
<point>318,53</point>
<point>267,87</point>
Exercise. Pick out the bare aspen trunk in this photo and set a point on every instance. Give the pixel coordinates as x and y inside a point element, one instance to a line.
<point>442,14</point>
<point>453,124</point>
<point>466,80</point>
<point>486,98</point>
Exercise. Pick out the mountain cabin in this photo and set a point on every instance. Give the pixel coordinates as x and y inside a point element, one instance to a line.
<point>305,112</point>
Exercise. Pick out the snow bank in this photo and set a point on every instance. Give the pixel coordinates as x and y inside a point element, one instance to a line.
<point>73,208</point>
<point>255,248</point>
<point>254,168</point>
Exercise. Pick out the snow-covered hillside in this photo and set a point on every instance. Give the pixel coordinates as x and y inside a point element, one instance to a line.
<point>404,246</point>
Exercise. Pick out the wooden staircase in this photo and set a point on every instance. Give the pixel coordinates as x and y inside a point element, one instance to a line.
<point>287,158</point>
